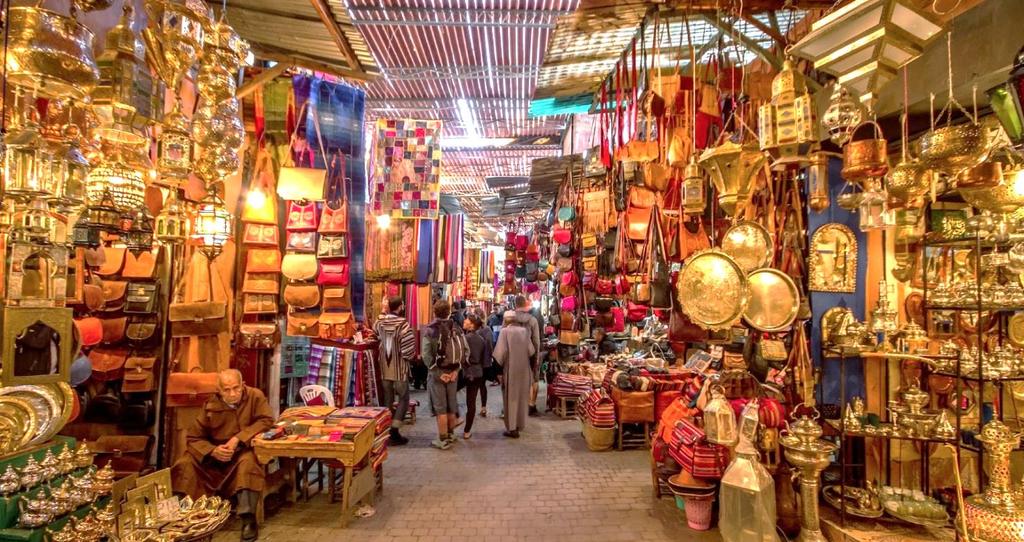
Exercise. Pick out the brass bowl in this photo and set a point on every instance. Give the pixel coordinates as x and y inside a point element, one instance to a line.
<point>951,149</point>
<point>865,159</point>
<point>987,174</point>
<point>907,181</point>
<point>998,199</point>
<point>50,53</point>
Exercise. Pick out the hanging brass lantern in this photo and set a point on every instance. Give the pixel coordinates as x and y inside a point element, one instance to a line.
<point>732,167</point>
<point>175,36</point>
<point>175,145</point>
<point>787,123</point>
<point>212,227</point>
<point>23,162</point>
<point>127,99</point>
<point>125,184</point>
<point>139,236</point>
<point>818,197</point>
<point>172,222</point>
<point>50,53</point>
<point>34,223</point>
<point>218,123</point>
<point>844,113</point>
<point>694,187</point>
<point>76,171</point>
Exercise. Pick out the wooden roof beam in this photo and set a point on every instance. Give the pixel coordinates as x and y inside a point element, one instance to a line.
<point>767,30</point>
<point>300,62</point>
<point>339,36</point>
<point>262,78</point>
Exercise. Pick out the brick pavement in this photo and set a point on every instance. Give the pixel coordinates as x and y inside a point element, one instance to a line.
<point>544,486</point>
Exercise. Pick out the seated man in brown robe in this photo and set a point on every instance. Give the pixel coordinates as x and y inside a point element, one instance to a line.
<point>219,459</point>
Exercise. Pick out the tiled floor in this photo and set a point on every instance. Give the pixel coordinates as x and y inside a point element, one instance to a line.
<point>543,486</point>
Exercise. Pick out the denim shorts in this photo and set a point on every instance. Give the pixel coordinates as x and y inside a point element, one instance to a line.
<point>442,395</point>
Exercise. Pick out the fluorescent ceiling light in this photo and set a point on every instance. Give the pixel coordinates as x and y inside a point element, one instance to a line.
<point>477,142</point>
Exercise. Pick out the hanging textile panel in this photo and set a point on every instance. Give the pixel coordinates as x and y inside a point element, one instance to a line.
<point>391,254</point>
<point>407,168</point>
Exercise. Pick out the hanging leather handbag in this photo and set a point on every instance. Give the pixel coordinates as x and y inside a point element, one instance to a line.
<point>93,295</point>
<point>531,271</point>
<point>114,295</point>
<point>263,260</point>
<point>113,329</point>
<point>259,303</point>
<point>89,330</point>
<point>566,320</point>
<point>303,324</point>
<point>261,283</point>
<point>333,274</point>
<point>190,389</point>
<point>108,363</point>
<point>299,267</point>
<point>569,337</point>
<point>260,235</point>
<point>141,298</point>
<point>332,246</point>
<point>138,375</point>
<point>297,183</point>
<point>635,312</point>
<point>141,266</point>
<point>258,335</point>
<point>656,176</point>
<point>337,326</point>
<point>301,241</point>
<point>336,298</point>
<point>641,292</point>
<point>302,295</point>
<point>197,318</point>
<point>682,330</point>
<point>604,287</point>
<point>142,331</point>
<point>335,214</point>
<point>604,304</point>
<point>561,236</point>
<point>302,216</point>
<point>113,261</point>
<point>257,210</point>
<point>619,319</point>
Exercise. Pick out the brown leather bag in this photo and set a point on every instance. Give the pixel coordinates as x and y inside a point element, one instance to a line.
<point>113,261</point>
<point>89,330</point>
<point>337,325</point>
<point>260,235</point>
<point>190,389</point>
<point>126,454</point>
<point>259,303</point>
<point>263,260</point>
<point>113,329</point>
<point>138,375</point>
<point>141,330</point>
<point>261,283</point>
<point>142,266</point>
<point>303,324</point>
<point>336,298</point>
<point>114,294</point>
<point>299,266</point>
<point>258,335</point>
<point>197,318</point>
<point>302,295</point>
<point>633,406</point>
<point>93,295</point>
<point>107,363</point>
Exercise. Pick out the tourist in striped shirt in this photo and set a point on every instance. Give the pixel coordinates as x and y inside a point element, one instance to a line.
<point>397,348</point>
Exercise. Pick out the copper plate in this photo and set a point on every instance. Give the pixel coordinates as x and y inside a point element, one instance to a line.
<point>712,289</point>
<point>750,244</point>
<point>914,306</point>
<point>44,403</point>
<point>774,300</point>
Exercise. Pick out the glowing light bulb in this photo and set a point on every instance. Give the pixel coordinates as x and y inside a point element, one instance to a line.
<point>256,199</point>
<point>384,221</point>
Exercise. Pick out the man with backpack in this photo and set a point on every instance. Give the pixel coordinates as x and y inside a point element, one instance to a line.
<point>397,348</point>
<point>445,351</point>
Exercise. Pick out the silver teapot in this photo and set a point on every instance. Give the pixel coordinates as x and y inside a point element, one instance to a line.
<point>49,465</point>
<point>66,459</point>
<point>34,512</point>
<point>63,497</point>
<point>82,491</point>
<point>31,474</point>
<point>9,482</point>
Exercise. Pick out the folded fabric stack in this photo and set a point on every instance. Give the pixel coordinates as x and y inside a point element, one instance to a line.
<point>597,409</point>
<point>567,385</point>
<point>382,418</point>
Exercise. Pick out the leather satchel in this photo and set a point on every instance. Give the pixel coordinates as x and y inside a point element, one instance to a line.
<point>113,295</point>
<point>141,331</point>
<point>299,267</point>
<point>113,261</point>
<point>302,295</point>
<point>263,260</point>
<point>258,335</point>
<point>138,375</point>
<point>190,389</point>
<point>260,235</point>
<point>332,246</point>
<point>113,329</point>
<point>93,295</point>
<point>126,454</point>
<point>141,266</point>
<point>141,298</point>
<point>303,324</point>
<point>336,298</point>
<point>337,325</point>
<point>90,330</point>
<point>108,363</point>
<point>261,283</point>
<point>333,274</point>
<point>301,241</point>
<point>296,183</point>
<point>197,318</point>
<point>259,303</point>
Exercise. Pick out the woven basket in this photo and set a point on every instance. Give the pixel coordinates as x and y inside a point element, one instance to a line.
<point>598,439</point>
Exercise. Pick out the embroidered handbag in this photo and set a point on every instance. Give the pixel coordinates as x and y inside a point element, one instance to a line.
<point>336,298</point>
<point>107,363</point>
<point>259,304</point>
<point>332,246</point>
<point>301,241</point>
<point>190,389</point>
<point>263,260</point>
<point>302,216</point>
<point>302,295</point>
<point>141,298</point>
<point>260,235</point>
<point>337,325</point>
<point>299,267</point>
<point>258,335</point>
<point>333,274</point>
<point>139,267</point>
<point>90,330</point>
<point>303,324</point>
<point>296,183</point>
<point>260,283</point>
<point>138,375</point>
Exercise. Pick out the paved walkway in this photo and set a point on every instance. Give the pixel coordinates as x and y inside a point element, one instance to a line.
<point>544,486</point>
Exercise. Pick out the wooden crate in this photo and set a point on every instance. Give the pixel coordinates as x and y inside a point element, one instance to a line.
<point>634,435</point>
<point>566,407</point>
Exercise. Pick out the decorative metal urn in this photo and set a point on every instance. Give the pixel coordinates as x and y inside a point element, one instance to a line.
<point>807,453</point>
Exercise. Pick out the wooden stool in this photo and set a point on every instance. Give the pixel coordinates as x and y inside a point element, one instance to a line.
<point>633,440</point>
<point>566,407</point>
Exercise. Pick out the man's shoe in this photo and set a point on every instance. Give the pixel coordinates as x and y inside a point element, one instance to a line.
<point>511,434</point>
<point>533,411</point>
<point>441,444</point>
<point>396,438</point>
<point>483,412</point>
<point>250,530</point>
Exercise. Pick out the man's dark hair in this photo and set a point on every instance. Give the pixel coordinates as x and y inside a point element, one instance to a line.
<point>477,322</point>
<point>442,310</point>
<point>394,304</point>
<point>521,301</point>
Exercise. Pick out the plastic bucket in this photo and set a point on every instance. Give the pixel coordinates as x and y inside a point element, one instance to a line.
<point>698,513</point>
<point>680,503</point>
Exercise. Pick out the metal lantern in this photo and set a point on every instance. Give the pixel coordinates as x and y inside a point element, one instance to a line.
<point>23,162</point>
<point>720,419</point>
<point>787,123</point>
<point>873,209</point>
<point>818,198</point>
<point>747,499</point>
<point>212,225</point>
<point>844,113</point>
<point>175,36</point>
<point>85,233</point>
<point>124,183</point>
<point>102,213</point>
<point>732,167</point>
<point>34,223</point>
<point>139,236</point>
<point>128,99</point>
<point>865,42</point>
<point>175,145</point>
<point>1005,100</point>
<point>694,187</point>
<point>76,171</point>
<point>172,222</point>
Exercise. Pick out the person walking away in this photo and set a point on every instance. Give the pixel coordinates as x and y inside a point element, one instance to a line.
<point>525,318</point>
<point>488,362</point>
<point>396,350</point>
<point>479,351</point>
<point>514,352</point>
<point>445,351</point>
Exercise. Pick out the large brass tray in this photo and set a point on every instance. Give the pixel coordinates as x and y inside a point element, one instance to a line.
<point>750,244</point>
<point>44,402</point>
<point>18,423</point>
<point>774,300</point>
<point>712,289</point>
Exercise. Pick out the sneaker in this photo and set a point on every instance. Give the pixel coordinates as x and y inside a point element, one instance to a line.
<point>396,438</point>
<point>483,412</point>
<point>441,444</point>
<point>533,411</point>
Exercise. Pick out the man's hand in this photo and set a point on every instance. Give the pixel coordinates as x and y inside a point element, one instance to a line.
<point>223,453</point>
<point>232,444</point>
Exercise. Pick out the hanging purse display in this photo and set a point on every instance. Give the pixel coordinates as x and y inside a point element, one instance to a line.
<point>141,298</point>
<point>197,318</point>
<point>333,274</point>
<point>334,218</point>
<point>190,389</point>
<point>93,295</point>
<point>297,183</point>
<point>113,295</point>
<point>301,241</point>
<point>138,375</point>
<point>256,209</point>
<point>260,235</point>
<point>299,267</point>
<point>258,335</point>
<point>259,304</point>
<point>332,246</point>
<point>303,324</point>
<point>108,363</point>
<point>336,298</point>
<point>337,326</point>
<point>113,261</point>
<point>661,286</point>
<point>141,266</point>
<point>263,260</point>
<point>89,330</point>
<point>302,216</point>
<point>141,331</point>
<point>261,283</point>
<point>302,295</point>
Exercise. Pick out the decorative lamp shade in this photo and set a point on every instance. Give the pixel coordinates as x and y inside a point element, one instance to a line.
<point>732,167</point>
<point>175,36</point>
<point>873,209</point>
<point>720,419</point>
<point>843,115</point>
<point>34,222</point>
<point>865,42</point>
<point>172,222</point>
<point>1005,100</point>
<point>102,214</point>
<point>23,163</point>
<point>85,233</point>
<point>76,171</point>
<point>139,237</point>
<point>125,184</point>
<point>787,123</point>
<point>175,144</point>
<point>212,225</point>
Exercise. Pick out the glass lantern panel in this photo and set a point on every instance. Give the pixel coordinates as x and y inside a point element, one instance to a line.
<point>913,22</point>
<point>20,171</point>
<point>838,34</point>
<point>1004,104</point>
<point>851,61</point>
<point>895,55</point>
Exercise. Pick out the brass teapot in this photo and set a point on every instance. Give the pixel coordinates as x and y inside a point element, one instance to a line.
<point>83,456</point>
<point>31,474</point>
<point>49,465</point>
<point>34,512</point>
<point>66,458</point>
<point>103,480</point>
<point>10,482</point>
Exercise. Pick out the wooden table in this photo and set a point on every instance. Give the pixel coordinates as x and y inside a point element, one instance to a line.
<point>349,452</point>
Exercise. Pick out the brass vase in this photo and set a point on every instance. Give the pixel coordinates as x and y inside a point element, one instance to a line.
<point>809,455</point>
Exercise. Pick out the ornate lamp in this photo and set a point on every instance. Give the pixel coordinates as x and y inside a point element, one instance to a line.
<point>865,42</point>
<point>732,166</point>
<point>175,36</point>
<point>23,162</point>
<point>34,223</point>
<point>139,237</point>
<point>787,123</point>
<point>172,222</point>
<point>212,225</point>
<point>175,145</point>
<point>818,198</point>
<point>694,187</point>
<point>1005,100</point>
<point>125,184</point>
<point>843,115</point>
<point>75,171</point>
<point>103,214</point>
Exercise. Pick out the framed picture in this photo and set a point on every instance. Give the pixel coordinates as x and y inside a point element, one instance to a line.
<point>37,345</point>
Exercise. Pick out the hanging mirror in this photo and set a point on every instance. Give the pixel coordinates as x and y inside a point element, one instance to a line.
<point>833,266</point>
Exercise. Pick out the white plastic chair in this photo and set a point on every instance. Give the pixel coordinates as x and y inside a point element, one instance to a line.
<point>312,391</point>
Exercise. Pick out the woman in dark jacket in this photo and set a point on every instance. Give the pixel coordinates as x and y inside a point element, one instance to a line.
<point>479,354</point>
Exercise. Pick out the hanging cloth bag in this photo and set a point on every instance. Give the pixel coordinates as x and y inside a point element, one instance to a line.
<point>297,183</point>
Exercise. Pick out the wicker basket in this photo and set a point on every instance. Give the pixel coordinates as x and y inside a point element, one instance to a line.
<point>598,439</point>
